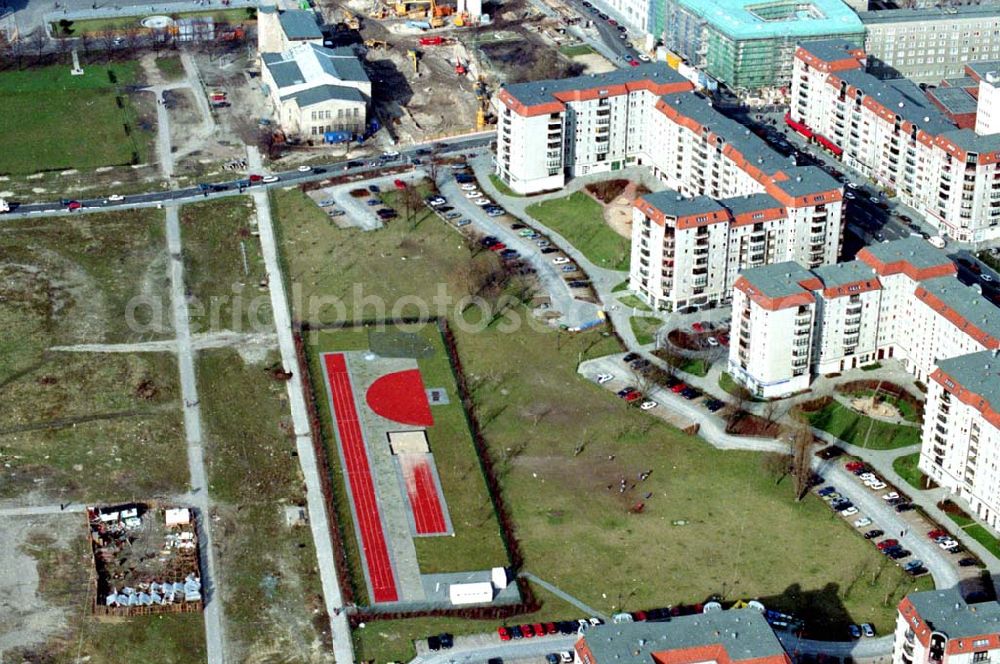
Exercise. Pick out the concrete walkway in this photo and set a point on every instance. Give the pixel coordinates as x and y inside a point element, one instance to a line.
<point>42,510</point>
<point>214,639</point>
<point>319,523</point>
<point>566,597</point>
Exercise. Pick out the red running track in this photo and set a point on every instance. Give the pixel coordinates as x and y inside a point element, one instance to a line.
<point>359,476</point>
<point>428,516</point>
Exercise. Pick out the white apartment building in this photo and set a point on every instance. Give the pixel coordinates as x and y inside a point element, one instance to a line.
<point>939,627</point>
<point>961,437</point>
<point>896,300</point>
<point>891,132</point>
<point>687,248</point>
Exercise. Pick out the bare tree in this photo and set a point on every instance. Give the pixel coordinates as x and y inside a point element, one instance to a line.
<point>36,43</point>
<point>737,407</point>
<point>772,411</point>
<point>802,447</point>
<point>412,203</point>
<point>131,40</point>
<point>776,464</point>
<point>86,43</point>
<point>64,47</point>
<point>109,42</point>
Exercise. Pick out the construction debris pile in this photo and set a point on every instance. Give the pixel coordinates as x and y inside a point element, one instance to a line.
<point>146,559</point>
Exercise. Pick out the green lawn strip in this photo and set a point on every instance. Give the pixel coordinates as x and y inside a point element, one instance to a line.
<point>580,219</point>
<point>906,409</point>
<point>979,533</point>
<point>392,640</point>
<point>695,366</point>
<point>576,50</point>
<point>502,187</point>
<point>857,429</point>
<point>727,383</point>
<point>633,301</point>
<point>270,593</point>
<point>170,66</point>
<point>52,104</point>
<point>64,565</point>
<point>122,23</point>
<point>906,467</point>
<point>623,286</point>
<point>644,328</point>
<point>216,235</point>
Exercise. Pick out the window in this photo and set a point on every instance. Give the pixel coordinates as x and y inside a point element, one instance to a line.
<point>981,656</point>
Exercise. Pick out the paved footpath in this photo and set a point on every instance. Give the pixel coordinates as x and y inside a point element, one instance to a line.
<point>214,639</point>
<point>343,648</point>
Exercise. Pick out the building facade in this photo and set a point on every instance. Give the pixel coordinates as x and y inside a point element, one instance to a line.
<point>940,627</point>
<point>896,300</point>
<point>719,637</point>
<point>892,133</point>
<point>929,44</point>
<point>749,44</point>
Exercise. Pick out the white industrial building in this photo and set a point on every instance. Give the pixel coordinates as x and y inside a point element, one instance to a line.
<point>896,300</point>
<point>890,131</point>
<point>313,90</point>
<point>732,201</point>
<point>940,627</point>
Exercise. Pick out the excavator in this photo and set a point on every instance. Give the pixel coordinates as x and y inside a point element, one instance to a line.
<point>350,20</point>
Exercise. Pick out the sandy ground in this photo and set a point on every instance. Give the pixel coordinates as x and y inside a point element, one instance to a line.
<point>868,406</point>
<point>619,215</point>
<point>594,63</point>
<point>25,619</point>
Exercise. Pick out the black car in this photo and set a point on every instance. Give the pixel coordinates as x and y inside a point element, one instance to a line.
<point>509,253</point>
<point>898,553</point>
<point>967,562</point>
<point>354,164</point>
<point>905,507</point>
<point>496,660</point>
<point>603,16</point>
<point>445,208</point>
<point>916,571</point>
<point>872,534</point>
<point>373,188</point>
<point>434,642</point>
<point>630,357</point>
<point>518,226</point>
<point>714,405</point>
<point>830,452</point>
<point>641,363</point>
<point>549,250</point>
<point>690,393</point>
<point>568,627</point>
<point>515,632</point>
<point>488,241</point>
<point>578,283</point>
<point>387,214</point>
<point>447,640</point>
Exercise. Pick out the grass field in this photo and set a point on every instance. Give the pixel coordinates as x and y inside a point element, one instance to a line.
<point>551,435</point>
<point>271,594</point>
<point>976,532</point>
<point>68,121</point>
<point>580,219</point>
<point>644,328</point>
<point>502,187</point>
<point>224,267</point>
<point>171,67</point>
<point>906,466</point>
<point>123,23</point>
<point>476,543</point>
<point>634,302</point>
<point>576,50</point>
<point>857,429</point>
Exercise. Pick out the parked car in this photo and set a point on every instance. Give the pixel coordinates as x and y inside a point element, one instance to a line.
<point>503,633</point>
<point>604,378</point>
<point>862,522</point>
<point>850,511</point>
<point>890,496</point>
<point>528,631</point>
<point>868,630</point>
<point>648,405</point>
<point>854,631</point>
<point>433,643</point>
<point>872,534</point>
<point>549,250</point>
<point>714,405</point>
<point>887,543</point>
<point>905,507</point>
<point>967,562</point>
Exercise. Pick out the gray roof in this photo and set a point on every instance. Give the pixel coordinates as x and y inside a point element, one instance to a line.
<point>841,274</point>
<point>984,67</point>
<point>829,50</point>
<point>341,63</point>
<point>960,82</point>
<point>901,96</point>
<point>970,141</point>
<point>913,250</point>
<point>284,72</point>
<point>805,180</point>
<point>299,24</point>
<point>322,93</point>
<point>954,100</point>
<point>945,610</point>
<point>933,14</point>
<point>672,204</point>
<point>778,279</point>
<point>744,633</point>
<point>540,92</point>
<point>750,203</point>
<point>967,302</point>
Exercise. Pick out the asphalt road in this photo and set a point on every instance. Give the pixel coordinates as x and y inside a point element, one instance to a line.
<point>234,187</point>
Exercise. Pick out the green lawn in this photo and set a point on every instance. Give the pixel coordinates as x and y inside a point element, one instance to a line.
<point>502,187</point>
<point>575,50</point>
<point>224,267</point>
<point>580,219</point>
<point>67,121</point>
<point>906,466</point>
<point>696,366</point>
<point>623,286</point>
<point>171,67</point>
<point>857,429</point>
<point>634,302</point>
<point>644,328</point>
<point>977,532</point>
<point>123,23</point>
<point>270,593</point>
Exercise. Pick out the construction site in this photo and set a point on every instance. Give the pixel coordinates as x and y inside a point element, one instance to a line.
<point>145,559</point>
<point>434,66</point>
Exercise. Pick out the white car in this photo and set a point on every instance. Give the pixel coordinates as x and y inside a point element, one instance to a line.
<point>648,405</point>
<point>392,154</point>
<point>644,57</point>
<point>560,260</point>
<point>877,486</point>
<point>850,511</point>
<point>473,193</point>
<point>867,476</point>
<point>305,169</point>
<point>482,202</point>
<point>873,200</point>
<point>712,341</point>
<point>862,522</point>
<point>985,277</point>
<point>268,179</point>
<point>947,544</point>
<point>468,186</point>
<point>852,185</point>
<point>566,657</point>
<point>892,495</point>
<point>849,195</point>
<point>604,378</point>
<point>114,198</point>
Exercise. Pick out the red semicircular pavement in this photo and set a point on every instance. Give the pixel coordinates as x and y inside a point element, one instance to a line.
<point>401,397</point>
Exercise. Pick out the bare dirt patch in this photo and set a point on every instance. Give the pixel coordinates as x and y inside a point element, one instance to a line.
<point>872,406</point>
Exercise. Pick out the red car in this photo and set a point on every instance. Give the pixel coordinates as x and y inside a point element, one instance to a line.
<point>503,633</point>
<point>527,631</point>
<point>612,21</point>
<point>633,396</point>
<point>639,616</point>
<point>723,339</point>
<point>499,246</point>
<point>936,533</point>
<point>550,628</point>
<point>74,205</point>
<point>634,63</point>
<point>399,184</point>
<point>678,388</point>
<point>853,465</point>
<point>885,544</point>
<point>256,178</point>
<point>539,629</point>
<point>698,327</point>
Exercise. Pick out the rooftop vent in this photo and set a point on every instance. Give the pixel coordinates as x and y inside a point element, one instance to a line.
<point>900,104</point>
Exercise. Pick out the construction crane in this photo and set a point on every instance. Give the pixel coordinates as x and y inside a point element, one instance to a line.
<point>415,59</point>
